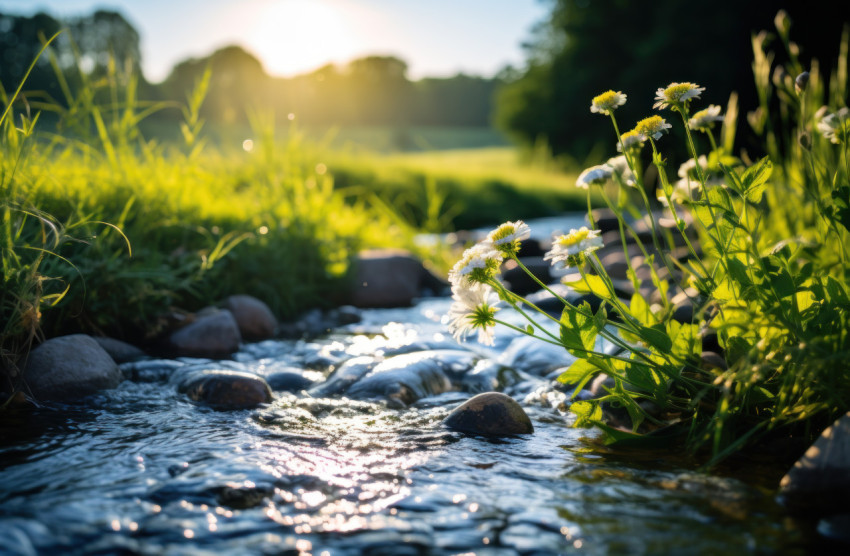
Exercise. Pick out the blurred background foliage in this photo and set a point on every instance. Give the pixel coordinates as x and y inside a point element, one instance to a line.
<point>581,49</point>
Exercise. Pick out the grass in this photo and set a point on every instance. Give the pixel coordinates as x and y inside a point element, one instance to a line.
<point>473,187</point>
<point>108,231</point>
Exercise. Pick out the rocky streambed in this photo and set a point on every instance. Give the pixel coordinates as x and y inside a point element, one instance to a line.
<point>343,444</point>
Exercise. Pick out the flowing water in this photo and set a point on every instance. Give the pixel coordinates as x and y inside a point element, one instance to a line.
<point>143,470</point>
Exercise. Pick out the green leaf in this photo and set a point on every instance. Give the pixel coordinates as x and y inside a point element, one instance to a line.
<point>754,179</point>
<point>590,284</point>
<point>587,413</point>
<point>686,339</point>
<point>578,330</point>
<point>841,205</point>
<point>579,373</point>
<point>640,310</point>
<point>656,337</point>
<point>736,348</point>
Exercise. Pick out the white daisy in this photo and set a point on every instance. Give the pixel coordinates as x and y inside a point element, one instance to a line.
<point>631,140</point>
<point>704,119</point>
<point>676,94</point>
<point>836,126</point>
<point>620,166</point>
<point>569,248</point>
<point>473,308</point>
<point>507,237</point>
<point>478,264</point>
<point>595,175</point>
<point>653,126</point>
<point>688,169</point>
<point>607,102</point>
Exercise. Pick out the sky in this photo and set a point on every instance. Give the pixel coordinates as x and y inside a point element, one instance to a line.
<point>435,37</point>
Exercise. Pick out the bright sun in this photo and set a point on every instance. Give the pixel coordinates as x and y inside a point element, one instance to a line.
<point>294,36</point>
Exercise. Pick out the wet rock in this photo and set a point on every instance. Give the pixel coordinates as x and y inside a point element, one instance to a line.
<point>312,323</point>
<point>213,335</point>
<point>68,368</point>
<point>490,413</point>
<point>253,317</point>
<point>288,381</point>
<point>389,278</point>
<point>225,389</point>
<point>120,352</point>
<point>403,379</point>
<point>488,375</point>
<point>347,314</point>
<point>155,370</point>
<point>344,376</point>
<point>819,483</point>
<point>521,283</point>
<point>534,357</point>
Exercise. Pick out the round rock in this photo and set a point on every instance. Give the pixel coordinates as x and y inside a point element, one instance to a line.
<point>254,318</point>
<point>226,389</point>
<point>70,367</point>
<point>211,335</point>
<point>490,413</point>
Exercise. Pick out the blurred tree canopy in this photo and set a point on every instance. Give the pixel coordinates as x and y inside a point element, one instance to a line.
<point>373,91</point>
<point>587,47</point>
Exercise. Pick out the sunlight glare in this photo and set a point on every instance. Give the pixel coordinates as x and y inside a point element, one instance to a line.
<point>295,36</point>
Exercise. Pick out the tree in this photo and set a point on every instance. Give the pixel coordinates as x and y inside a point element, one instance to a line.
<point>587,47</point>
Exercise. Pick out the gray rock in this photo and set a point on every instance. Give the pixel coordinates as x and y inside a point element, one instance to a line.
<point>712,360</point>
<point>120,352</point>
<point>225,389</point>
<point>213,335</point>
<point>819,483</point>
<point>288,381</point>
<point>344,376</point>
<point>255,320</point>
<point>404,379</point>
<point>389,278</point>
<point>534,357</point>
<point>70,367</point>
<point>521,283</point>
<point>490,413</point>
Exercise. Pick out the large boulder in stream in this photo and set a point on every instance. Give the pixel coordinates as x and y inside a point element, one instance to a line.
<point>390,278</point>
<point>819,483</point>
<point>222,389</point>
<point>404,379</point>
<point>491,414</point>
<point>255,320</point>
<point>211,335</point>
<point>70,367</point>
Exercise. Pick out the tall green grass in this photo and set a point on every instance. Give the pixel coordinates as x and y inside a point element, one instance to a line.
<point>107,231</point>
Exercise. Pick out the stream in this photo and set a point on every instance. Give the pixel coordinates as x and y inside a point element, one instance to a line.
<point>142,469</point>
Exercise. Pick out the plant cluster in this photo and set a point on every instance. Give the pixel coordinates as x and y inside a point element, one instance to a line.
<point>766,269</point>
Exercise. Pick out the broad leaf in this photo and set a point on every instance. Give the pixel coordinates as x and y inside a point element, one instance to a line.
<point>578,330</point>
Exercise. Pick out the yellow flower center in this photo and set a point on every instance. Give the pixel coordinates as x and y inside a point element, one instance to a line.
<point>606,99</point>
<point>574,238</point>
<point>649,126</point>
<point>674,92</point>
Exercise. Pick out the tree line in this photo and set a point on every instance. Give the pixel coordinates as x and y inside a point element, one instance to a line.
<point>373,90</point>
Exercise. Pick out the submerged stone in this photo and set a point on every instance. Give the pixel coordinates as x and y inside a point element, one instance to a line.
<point>404,379</point>
<point>288,381</point>
<point>226,389</point>
<point>490,413</point>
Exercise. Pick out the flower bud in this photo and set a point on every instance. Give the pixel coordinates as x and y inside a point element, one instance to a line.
<point>782,22</point>
<point>805,141</point>
<point>801,82</point>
